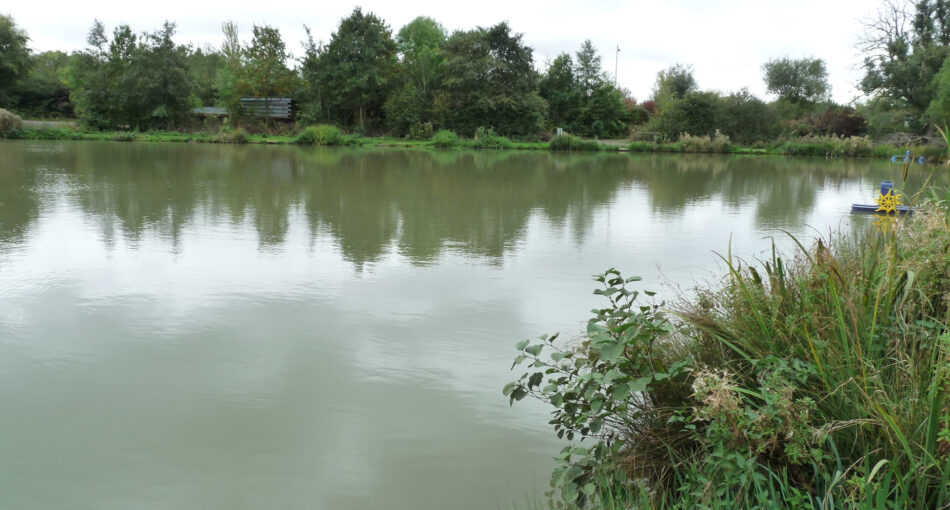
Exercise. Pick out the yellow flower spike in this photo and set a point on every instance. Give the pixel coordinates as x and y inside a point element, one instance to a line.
<point>888,203</point>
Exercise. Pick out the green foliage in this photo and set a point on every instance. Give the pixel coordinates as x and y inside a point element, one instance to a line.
<point>699,113</point>
<point>488,139</point>
<point>938,112</point>
<point>445,139</point>
<point>42,93</point>
<point>674,83</point>
<point>798,81</point>
<point>718,143</point>
<point>747,119</point>
<point>421,45</point>
<point>236,136</point>
<point>205,67</point>
<point>320,135</point>
<point>351,74</point>
<point>14,58</point>
<point>129,81</point>
<point>823,382</point>
<point>10,124</point>
<point>828,146</point>
<point>572,143</point>
<point>904,52</point>
<point>490,81</point>
<point>561,89</point>
<point>265,72</point>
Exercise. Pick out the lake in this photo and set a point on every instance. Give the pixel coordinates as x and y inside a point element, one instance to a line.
<point>202,326</point>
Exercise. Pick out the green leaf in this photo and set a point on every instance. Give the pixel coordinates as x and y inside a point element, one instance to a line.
<point>522,344</point>
<point>621,391</point>
<point>535,349</point>
<point>508,388</point>
<point>535,379</point>
<point>518,360</point>
<point>640,385</point>
<point>612,351</point>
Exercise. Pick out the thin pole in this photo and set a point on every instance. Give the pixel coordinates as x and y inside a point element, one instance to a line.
<point>616,60</point>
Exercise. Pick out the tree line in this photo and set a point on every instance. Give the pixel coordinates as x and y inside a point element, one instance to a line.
<point>367,79</point>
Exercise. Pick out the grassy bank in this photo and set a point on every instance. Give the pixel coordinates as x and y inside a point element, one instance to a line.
<point>239,136</point>
<point>813,146</point>
<point>816,381</point>
<point>821,146</point>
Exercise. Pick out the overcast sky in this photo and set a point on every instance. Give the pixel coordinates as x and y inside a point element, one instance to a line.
<point>726,42</point>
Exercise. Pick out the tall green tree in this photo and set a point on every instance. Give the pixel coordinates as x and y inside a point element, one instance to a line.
<point>355,68</point>
<point>673,83</point>
<point>14,58</point>
<point>162,77</point>
<point>561,89</point>
<point>128,81</point>
<point>801,82</point>
<point>421,46</point>
<point>904,48</point>
<point>43,93</point>
<point>588,70</point>
<point>490,82</point>
<point>205,66</point>
<point>265,72</point>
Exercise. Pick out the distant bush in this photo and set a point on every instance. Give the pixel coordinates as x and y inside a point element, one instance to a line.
<point>572,143</point>
<point>717,143</point>
<point>10,124</point>
<point>828,146</point>
<point>238,135</point>
<point>420,131</point>
<point>123,136</point>
<point>842,121</point>
<point>445,138</point>
<point>487,139</point>
<point>323,134</point>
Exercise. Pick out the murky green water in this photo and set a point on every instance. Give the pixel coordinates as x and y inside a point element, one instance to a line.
<point>199,326</point>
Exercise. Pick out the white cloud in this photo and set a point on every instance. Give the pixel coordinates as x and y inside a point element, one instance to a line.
<point>726,41</point>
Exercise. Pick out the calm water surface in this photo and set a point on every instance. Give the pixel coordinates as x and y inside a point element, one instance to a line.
<point>199,326</point>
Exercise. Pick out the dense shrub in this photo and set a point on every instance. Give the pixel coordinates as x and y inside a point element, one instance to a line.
<point>842,121</point>
<point>10,124</point>
<point>828,146</point>
<point>238,136</point>
<point>487,139</point>
<point>323,134</point>
<point>717,143</point>
<point>572,143</point>
<point>123,136</point>
<point>445,138</point>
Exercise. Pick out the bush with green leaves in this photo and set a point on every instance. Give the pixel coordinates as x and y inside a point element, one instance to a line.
<point>323,134</point>
<point>445,139</point>
<point>718,143</point>
<point>572,143</point>
<point>823,382</point>
<point>488,139</point>
<point>10,124</point>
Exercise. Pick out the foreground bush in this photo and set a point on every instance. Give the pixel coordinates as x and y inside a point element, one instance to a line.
<point>572,143</point>
<point>820,382</point>
<point>10,124</point>
<point>322,134</point>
